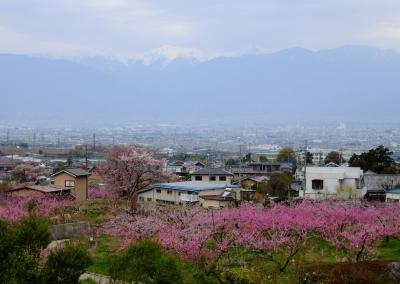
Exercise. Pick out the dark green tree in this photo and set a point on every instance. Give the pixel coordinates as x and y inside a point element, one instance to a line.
<point>31,234</point>
<point>309,158</point>
<point>66,265</point>
<point>232,163</point>
<point>69,161</point>
<point>279,184</point>
<point>145,262</point>
<point>20,247</point>
<point>59,167</point>
<point>263,159</point>
<point>378,160</point>
<point>287,155</point>
<point>23,145</point>
<point>334,157</point>
<point>247,158</point>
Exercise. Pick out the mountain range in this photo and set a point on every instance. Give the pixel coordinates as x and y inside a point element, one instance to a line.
<point>342,84</point>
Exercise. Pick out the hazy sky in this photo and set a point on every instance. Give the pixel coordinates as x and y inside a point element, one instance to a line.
<point>202,28</point>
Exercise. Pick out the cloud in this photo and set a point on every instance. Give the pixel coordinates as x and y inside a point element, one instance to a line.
<point>131,28</point>
<point>119,27</point>
<point>13,42</point>
<point>390,33</point>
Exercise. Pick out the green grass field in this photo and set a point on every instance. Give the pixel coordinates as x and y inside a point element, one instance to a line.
<point>319,259</point>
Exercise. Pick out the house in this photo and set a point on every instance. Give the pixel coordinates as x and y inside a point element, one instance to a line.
<point>182,169</point>
<point>377,184</point>
<point>38,190</point>
<point>255,169</point>
<point>249,182</point>
<point>393,195</point>
<point>318,155</point>
<point>7,164</point>
<point>217,175</point>
<point>325,182</point>
<point>186,192</point>
<point>218,201</point>
<point>75,179</point>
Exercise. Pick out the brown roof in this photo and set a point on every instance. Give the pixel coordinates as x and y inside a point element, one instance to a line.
<point>53,151</point>
<point>40,188</point>
<point>257,178</point>
<point>7,162</point>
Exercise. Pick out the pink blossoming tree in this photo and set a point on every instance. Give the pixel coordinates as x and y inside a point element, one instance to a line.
<point>128,170</point>
<point>15,208</point>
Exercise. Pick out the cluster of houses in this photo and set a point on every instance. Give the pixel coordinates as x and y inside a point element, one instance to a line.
<point>219,187</point>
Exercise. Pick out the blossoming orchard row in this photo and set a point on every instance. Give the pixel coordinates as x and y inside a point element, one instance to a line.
<point>194,233</point>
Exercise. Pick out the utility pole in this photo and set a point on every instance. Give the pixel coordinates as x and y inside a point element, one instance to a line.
<point>8,137</point>
<point>42,139</point>
<point>58,140</point>
<point>94,141</point>
<point>240,163</point>
<point>34,139</point>
<point>86,156</point>
<point>305,169</point>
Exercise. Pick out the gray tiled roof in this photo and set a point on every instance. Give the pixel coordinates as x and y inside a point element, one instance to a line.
<point>212,172</point>
<point>75,172</point>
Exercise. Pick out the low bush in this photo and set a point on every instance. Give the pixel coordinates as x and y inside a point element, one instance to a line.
<point>67,264</point>
<point>146,262</point>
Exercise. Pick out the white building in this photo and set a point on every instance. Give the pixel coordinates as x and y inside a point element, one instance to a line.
<point>325,182</point>
<point>217,175</point>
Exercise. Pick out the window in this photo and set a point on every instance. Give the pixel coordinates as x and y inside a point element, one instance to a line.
<point>213,178</point>
<point>141,198</point>
<point>169,191</point>
<point>317,184</point>
<point>69,183</point>
<point>165,201</point>
<point>149,199</point>
<point>198,178</point>
<point>158,190</point>
<point>222,178</point>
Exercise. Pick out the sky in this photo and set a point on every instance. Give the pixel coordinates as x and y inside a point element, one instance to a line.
<point>199,28</point>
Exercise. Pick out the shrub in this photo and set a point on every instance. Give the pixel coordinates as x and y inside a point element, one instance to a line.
<point>145,262</point>
<point>239,276</point>
<point>355,273</point>
<point>67,264</point>
<point>20,246</point>
<point>32,234</point>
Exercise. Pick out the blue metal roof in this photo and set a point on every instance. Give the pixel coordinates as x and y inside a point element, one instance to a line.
<point>393,190</point>
<point>193,186</point>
